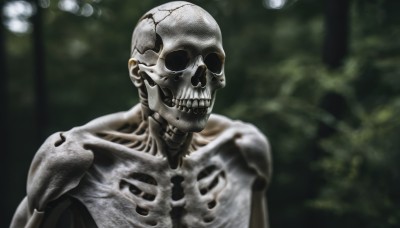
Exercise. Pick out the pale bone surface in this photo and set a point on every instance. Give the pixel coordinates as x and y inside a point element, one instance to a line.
<point>167,162</point>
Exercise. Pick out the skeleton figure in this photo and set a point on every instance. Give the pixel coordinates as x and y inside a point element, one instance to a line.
<point>167,162</point>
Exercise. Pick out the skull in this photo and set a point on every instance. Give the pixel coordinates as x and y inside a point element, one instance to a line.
<point>177,62</point>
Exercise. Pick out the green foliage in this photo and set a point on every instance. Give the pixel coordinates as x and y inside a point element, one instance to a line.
<point>285,82</point>
<point>275,80</point>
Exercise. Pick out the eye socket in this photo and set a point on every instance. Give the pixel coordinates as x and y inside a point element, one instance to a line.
<point>177,60</point>
<point>213,63</point>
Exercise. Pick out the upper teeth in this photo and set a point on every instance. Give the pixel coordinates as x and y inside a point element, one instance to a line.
<point>192,103</point>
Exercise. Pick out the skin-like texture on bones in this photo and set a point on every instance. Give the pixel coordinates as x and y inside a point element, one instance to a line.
<point>76,164</point>
<point>167,162</point>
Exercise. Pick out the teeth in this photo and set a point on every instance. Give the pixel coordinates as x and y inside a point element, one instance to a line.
<point>197,111</point>
<point>201,104</point>
<point>195,104</point>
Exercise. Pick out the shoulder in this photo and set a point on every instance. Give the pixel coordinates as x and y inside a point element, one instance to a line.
<point>132,117</point>
<point>63,158</point>
<point>67,149</point>
<point>250,141</point>
<point>77,136</point>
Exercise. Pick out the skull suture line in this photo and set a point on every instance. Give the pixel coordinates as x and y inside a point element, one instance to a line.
<point>177,63</point>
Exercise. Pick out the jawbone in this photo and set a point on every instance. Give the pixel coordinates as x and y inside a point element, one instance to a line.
<point>188,115</point>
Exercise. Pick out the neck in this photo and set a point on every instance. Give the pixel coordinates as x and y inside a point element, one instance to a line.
<point>171,142</point>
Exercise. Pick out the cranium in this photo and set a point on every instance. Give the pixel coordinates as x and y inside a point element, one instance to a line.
<point>177,62</point>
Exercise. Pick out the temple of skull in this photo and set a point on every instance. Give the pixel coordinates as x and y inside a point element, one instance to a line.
<point>166,162</point>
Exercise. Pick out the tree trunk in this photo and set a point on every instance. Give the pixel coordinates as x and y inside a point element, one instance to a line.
<point>4,148</point>
<point>333,54</point>
<point>39,73</point>
<point>336,32</point>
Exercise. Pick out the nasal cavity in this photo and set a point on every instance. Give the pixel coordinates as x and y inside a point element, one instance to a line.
<point>200,76</point>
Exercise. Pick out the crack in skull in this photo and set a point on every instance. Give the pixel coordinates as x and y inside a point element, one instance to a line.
<point>178,66</point>
<point>151,17</point>
<point>170,12</point>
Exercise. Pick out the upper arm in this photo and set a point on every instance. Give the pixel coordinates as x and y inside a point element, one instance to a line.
<point>251,143</point>
<point>57,167</point>
<point>62,160</point>
<point>255,148</point>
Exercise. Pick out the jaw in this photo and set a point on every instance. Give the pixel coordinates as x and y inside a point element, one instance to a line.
<point>188,115</point>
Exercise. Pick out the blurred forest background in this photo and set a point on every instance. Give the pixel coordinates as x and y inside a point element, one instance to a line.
<point>321,78</point>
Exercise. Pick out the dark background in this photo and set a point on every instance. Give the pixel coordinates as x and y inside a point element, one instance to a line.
<point>321,78</point>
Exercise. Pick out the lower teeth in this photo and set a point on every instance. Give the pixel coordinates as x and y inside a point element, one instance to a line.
<point>192,110</point>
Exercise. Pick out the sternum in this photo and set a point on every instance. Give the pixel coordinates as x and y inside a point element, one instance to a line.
<point>177,193</point>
